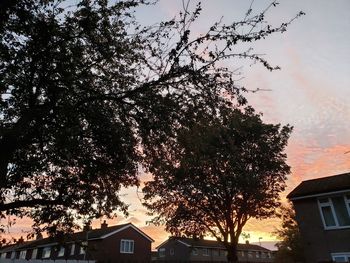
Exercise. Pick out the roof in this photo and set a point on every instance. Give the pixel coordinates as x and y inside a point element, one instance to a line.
<point>329,184</point>
<point>92,234</point>
<point>205,243</point>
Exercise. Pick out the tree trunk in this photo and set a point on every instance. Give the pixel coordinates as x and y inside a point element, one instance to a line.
<point>232,254</point>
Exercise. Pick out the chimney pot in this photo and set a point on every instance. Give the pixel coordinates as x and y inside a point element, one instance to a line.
<point>247,242</point>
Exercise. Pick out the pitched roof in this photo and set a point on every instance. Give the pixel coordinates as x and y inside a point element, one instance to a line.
<point>328,184</point>
<point>92,234</point>
<point>205,243</point>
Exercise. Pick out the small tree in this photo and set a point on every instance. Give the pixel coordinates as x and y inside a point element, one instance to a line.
<point>223,172</point>
<point>290,248</point>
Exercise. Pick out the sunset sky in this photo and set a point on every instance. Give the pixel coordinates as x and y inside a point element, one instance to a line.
<point>311,91</point>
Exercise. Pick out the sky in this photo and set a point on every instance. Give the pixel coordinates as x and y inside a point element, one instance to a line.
<point>311,92</point>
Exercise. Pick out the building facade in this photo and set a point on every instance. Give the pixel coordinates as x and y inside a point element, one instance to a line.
<point>322,209</point>
<point>121,243</point>
<point>180,249</point>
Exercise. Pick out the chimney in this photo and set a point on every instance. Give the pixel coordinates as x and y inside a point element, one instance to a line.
<point>87,226</point>
<point>39,236</point>
<point>104,225</point>
<point>247,242</point>
<point>20,241</point>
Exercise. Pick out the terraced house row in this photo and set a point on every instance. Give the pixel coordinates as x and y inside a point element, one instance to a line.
<point>124,243</point>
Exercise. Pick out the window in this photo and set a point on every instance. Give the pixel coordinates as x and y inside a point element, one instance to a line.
<point>215,252</point>
<point>195,252</point>
<point>250,254</point>
<point>34,253</point>
<point>257,254</point>
<point>72,249</point>
<point>205,252</point>
<point>22,254</point>
<point>127,246</point>
<point>46,252</point>
<point>83,247</point>
<point>172,252</point>
<point>3,255</point>
<point>335,211</point>
<point>161,252</point>
<point>61,252</point>
<point>341,257</point>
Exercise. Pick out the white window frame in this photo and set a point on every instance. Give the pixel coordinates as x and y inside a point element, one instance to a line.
<point>44,251</point>
<point>72,249</point>
<point>61,252</point>
<point>161,252</point>
<point>330,203</point>
<point>345,255</point>
<point>205,252</point>
<point>34,253</point>
<point>257,254</point>
<point>250,254</point>
<point>123,249</point>
<point>83,247</point>
<point>22,254</point>
<point>347,202</point>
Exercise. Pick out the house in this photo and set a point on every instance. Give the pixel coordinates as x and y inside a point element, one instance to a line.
<point>322,209</point>
<point>201,250</point>
<point>120,243</point>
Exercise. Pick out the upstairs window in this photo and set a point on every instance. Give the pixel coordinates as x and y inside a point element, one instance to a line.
<point>195,252</point>
<point>205,252</point>
<point>83,247</point>
<point>61,252</point>
<point>335,211</point>
<point>22,254</point>
<point>341,257</point>
<point>72,249</point>
<point>34,253</point>
<point>161,252</point>
<point>127,246</point>
<point>46,252</point>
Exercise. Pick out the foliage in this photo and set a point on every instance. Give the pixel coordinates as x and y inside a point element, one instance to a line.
<point>220,173</point>
<point>290,247</point>
<point>87,95</point>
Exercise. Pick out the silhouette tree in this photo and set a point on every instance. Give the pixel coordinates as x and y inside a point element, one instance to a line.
<point>290,247</point>
<point>88,94</point>
<point>222,173</point>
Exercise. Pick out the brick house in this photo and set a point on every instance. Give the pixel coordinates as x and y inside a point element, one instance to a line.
<point>322,209</point>
<point>120,243</point>
<point>201,250</point>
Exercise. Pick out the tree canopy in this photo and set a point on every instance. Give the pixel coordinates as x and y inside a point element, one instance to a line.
<point>220,173</point>
<point>88,94</point>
